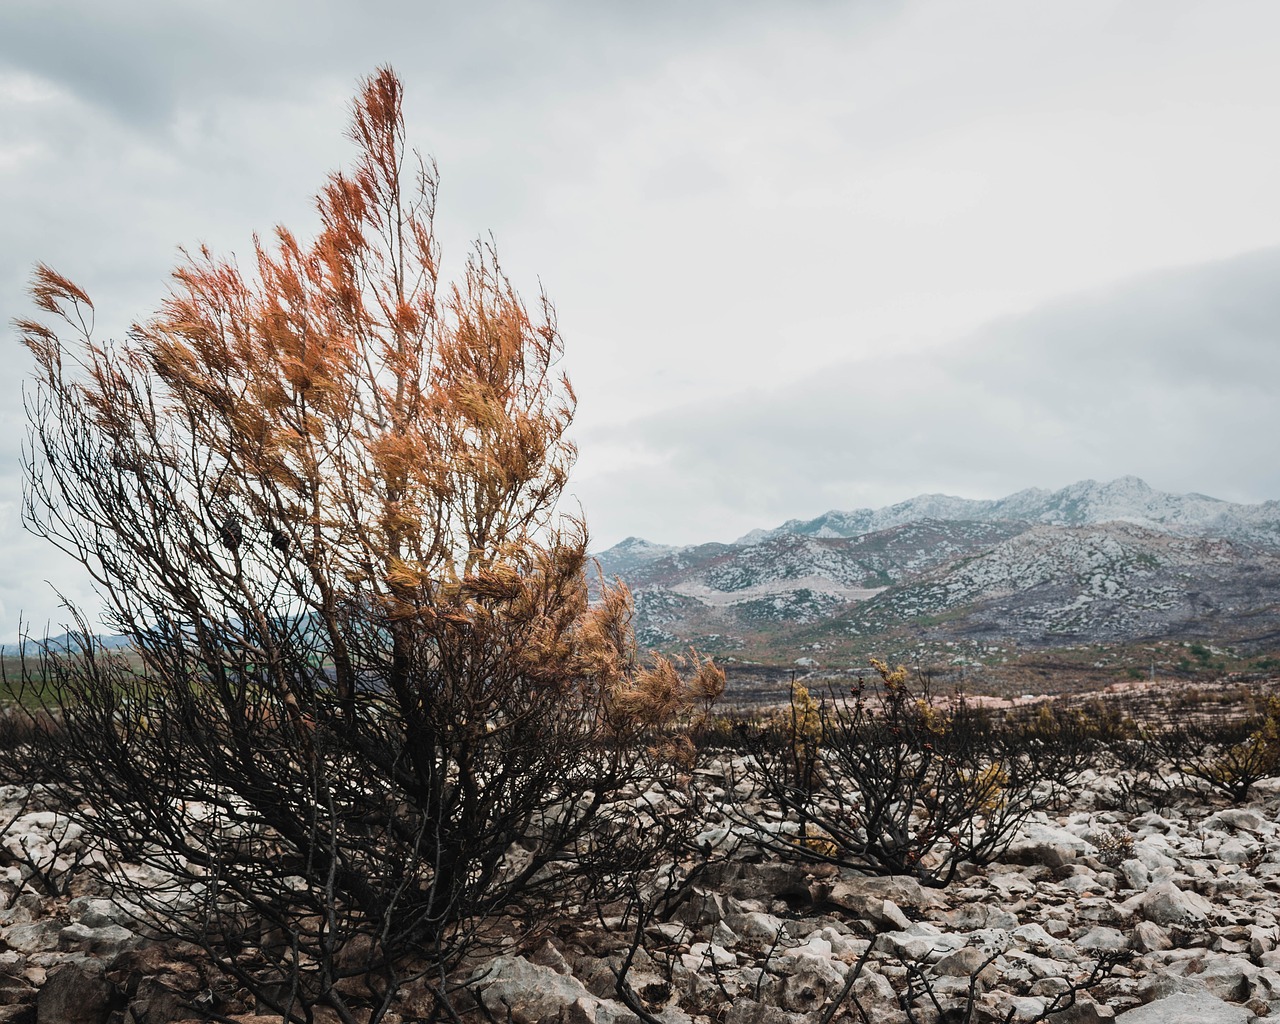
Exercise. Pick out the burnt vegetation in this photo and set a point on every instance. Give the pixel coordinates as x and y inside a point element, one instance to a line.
<point>367,703</point>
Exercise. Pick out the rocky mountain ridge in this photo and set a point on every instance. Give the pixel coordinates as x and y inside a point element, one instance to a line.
<point>1125,499</point>
<point>1092,563</point>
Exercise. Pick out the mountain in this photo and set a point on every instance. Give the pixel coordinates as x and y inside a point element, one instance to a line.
<point>1126,499</point>
<point>1093,563</point>
<point>63,643</point>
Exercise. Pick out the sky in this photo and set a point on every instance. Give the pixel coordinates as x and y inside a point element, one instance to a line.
<point>805,255</point>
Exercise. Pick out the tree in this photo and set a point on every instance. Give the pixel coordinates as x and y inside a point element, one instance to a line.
<point>374,705</point>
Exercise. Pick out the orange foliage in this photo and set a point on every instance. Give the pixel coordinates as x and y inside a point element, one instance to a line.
<point>379,441</point>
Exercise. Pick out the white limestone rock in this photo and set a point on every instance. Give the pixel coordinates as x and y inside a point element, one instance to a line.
<point>1186,1008</point>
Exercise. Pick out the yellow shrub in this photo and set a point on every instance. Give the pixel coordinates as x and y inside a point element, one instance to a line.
<point>990,783</point>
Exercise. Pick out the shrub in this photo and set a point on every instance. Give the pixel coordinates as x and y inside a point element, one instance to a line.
<point>369,705</point>
<point>1230,751</point>
<point>889,781</point>
<point>1061,742</point>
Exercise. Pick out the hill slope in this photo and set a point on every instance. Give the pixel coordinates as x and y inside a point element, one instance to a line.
<point>1114,563</point>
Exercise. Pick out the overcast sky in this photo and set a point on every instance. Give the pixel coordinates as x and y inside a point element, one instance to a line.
<point>806,255</point>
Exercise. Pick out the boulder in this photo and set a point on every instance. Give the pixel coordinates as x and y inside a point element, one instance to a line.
<point>1136,874</point>
<point>1103,940</point>
<point>966,962</point>
<point>969,916</point>
<point>513,989</point>
<point>108,941</point>
<point>1085,1011</point>
<point>758,925</point>
<point>1186,1008</point>
<point>1149,937</point>
<point>811,981</point>
<point>748,1011</point>
<point>1167,905</point>
<point>1227,977</point>
<point>1244,818</point>
<point>32,937</point>
<point>1038,842</point>
<point>870,907</point>
<point>75,993</point>
<point>16,990</point>
<point>902,890</point>
<point>919,943</point>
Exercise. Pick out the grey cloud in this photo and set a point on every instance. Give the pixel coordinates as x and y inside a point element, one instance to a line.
<point>1171,377</point>
<point>142,60</point>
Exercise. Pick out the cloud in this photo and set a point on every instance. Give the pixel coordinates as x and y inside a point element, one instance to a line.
<point>1170,377</point>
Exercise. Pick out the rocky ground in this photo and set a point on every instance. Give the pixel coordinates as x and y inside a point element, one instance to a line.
<point>1165,916</point>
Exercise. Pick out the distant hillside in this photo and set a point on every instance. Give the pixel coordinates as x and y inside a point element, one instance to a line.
<point>1126,499</point>
<point>1113,563</point>
<point>62,643</point>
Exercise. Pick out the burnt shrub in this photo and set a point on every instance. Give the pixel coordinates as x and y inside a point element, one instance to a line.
<point>886,779</point>
<point>1230,749</point>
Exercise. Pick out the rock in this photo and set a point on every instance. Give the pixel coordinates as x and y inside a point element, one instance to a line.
<point>75,993</point>
<point>815,945</point>
<point>1085,1011</point>
<point>1149,937</point>
<point>549,955</point>
<point>748,1011</point>
<point>33,937</point>
<point>703,908</point>
<point>965,963</point>
<point>1083,883</point>
<point>1165,904</point>
<point>1233,851</point>
<point>1038,966</point>
<point>1186,1008</point>
<point>1244,818</point>
<point>160,999</point>
<point>97,912</point>
<point>902,890</point>
<point>1103,940</point>
<point>1265,986</point>
<point>1227,977</point>
<point>16,989</point>
<point>1103,910</point>
<point>1136,875</point>
<point>514,989</point>
<point>669,932</point>
<point>1035,938</point>
<point>1151,822</point>
<point>842,944</point>
<point>108,942</point>
<point>919,943</point>
<point>24,909</point>
<point>812,981</point>
<point>773,880</point>
<point>1019,1007</point>
<point>874,992</point>
<point>702,955</point>
<point>1154,851</point>
<point>971,916</point>
<point>1261,940</point>
<point>870,907</point>
<point>1038,842</point>
<point>1164,984</point>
